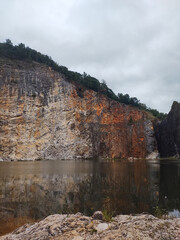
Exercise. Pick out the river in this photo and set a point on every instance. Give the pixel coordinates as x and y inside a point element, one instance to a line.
<point>30,191</point>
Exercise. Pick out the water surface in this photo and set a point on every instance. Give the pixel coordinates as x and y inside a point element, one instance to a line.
<point>30,191</point>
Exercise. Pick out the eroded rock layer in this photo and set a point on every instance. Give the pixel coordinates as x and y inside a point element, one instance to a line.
<point>43,116</point>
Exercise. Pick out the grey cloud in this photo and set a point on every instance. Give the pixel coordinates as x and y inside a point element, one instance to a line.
<point>134,44</point>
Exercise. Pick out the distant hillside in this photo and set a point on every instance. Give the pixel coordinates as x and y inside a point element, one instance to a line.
<point>21,52</point>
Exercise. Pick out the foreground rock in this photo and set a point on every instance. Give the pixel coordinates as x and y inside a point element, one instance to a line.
<point>79,227</point>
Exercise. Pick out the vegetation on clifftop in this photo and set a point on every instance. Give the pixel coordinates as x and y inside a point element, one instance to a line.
<point>21,52</point>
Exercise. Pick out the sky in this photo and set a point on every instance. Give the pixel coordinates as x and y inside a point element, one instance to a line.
<point>134,45</point>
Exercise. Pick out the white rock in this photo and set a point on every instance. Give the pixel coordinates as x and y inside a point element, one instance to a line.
<point>153,155</point>
<point>102,226</point>
<point>77,238</point>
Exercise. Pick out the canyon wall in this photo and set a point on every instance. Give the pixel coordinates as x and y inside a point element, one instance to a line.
<point>168,133</point>
<point>43,116</point>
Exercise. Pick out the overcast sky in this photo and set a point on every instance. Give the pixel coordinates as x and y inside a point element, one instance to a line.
<point>134,45</point>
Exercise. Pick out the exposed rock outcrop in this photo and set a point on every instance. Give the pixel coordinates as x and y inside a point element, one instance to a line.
<point>79,227</point>
<point>43,116</point>
<point>168,133</point>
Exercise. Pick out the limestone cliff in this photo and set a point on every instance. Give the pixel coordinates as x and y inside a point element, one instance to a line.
<point>43,116</point>
<point>168,133</point>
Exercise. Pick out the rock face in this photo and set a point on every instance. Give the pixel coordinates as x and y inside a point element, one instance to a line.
<point>168,133</point>
<point>43,116</point>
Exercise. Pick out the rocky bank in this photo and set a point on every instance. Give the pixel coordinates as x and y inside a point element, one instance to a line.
<point>79,227</point>
<point>43,116</point>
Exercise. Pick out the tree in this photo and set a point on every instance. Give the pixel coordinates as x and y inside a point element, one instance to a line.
<point>8,42</point>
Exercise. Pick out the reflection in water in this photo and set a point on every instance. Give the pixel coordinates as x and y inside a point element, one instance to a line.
<point>30,191</point>
<point>169,194</point>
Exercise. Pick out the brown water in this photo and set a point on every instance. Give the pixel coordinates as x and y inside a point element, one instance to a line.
<point>30,191</point>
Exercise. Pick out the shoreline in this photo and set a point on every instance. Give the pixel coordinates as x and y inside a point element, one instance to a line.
<point>94,159</point>
<point>81,227</point>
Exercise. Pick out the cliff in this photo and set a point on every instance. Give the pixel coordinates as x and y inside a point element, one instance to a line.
<point>43,116</point>
<point>168,133</point>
